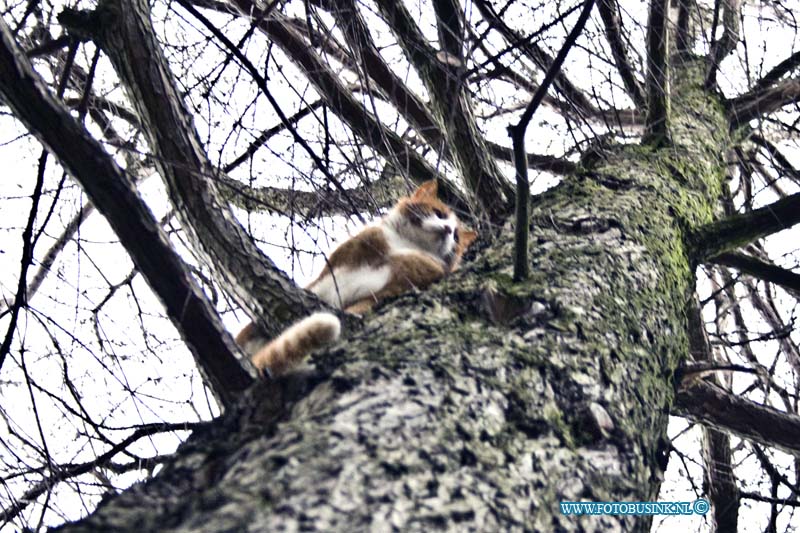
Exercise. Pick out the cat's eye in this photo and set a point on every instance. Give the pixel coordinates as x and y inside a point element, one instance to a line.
<point>455,235</point>
<point>439,213</point>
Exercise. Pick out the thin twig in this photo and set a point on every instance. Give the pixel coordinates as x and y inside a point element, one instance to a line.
<point>517,133</point>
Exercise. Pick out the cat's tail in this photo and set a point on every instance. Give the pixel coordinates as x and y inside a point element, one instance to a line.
<point>290,347</point>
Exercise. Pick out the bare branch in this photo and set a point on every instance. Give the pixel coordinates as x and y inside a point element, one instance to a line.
<point>65,472</point>
<point>452,104</point>
<point>719,476</point>
<point>540,57</point>
<point>761,102</point>
<point>115,196</point>
<point>547,163</point>
<point>684,37</point>
<point>657,123</point>
<point>267,134</point>
<point>608,12</point>
<point>782,161</point>
<point>365,125</point>
<point>720,479</point>
<point>127,37</point>
<point>738,230</point>
<point>517,132</point>
<point>106,105</point>
<point>761,270</point>
<point>381,193</point>
<point>727,43</point>
<point>790,502</point>
<point>405,101</point>
<point>781,69</point>
<point>714,407</point>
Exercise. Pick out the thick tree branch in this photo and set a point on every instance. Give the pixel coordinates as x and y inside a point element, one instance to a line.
<point>714,407</point>
<point>450,28</point>
<point>760,269</point>
<point>762,102</point>
<point>104,104</point>
<point>381,193</point>
<point>452,104</point>
<point>546,163</point>
<point>405,101</point>
<point>608,12</point>
<point>111,191</point>
<point>684,37</point>
<point>780,70</point>
<point>123,30</point>
<point>658,95</point>
<point>720,479</point>
<point>719,475</point>
<point>738,230</point>
<point>727,43</point>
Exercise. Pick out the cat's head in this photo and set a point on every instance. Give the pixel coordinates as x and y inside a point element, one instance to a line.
<point>431,225</point>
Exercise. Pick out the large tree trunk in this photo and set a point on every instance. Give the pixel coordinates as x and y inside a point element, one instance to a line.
<point>480,403</point>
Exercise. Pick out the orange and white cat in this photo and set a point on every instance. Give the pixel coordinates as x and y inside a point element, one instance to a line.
<point>419,242</point>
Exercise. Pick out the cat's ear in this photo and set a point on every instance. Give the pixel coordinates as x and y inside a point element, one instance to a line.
<point>466,237</point>
<point>426,190</point>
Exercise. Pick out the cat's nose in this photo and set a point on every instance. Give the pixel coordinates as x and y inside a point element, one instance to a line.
<point>447,230</point>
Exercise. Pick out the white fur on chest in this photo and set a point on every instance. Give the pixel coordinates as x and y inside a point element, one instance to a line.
<point>346,285</point>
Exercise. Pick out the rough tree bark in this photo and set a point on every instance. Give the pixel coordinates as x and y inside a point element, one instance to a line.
<point>481,403</point>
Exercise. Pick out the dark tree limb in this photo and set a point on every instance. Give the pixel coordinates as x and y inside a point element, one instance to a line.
<point>449,25</point>
<point>720,479</point>
<point>790,502</point>
<point>28,237</point>
<point>547,163</point>
<point>387,143</point>
<point>66,472</point>
<point>539,57</point>
<point>761,269</point>
<point>762,102</point>
<point>105,104</point>
<point>381,193</point>
<point>727,43</point>
<point>684,36</point>
<point>714,407</point>
<point>404,100</point>
<point>122,28</point>
<point>780,70</point>
<point>517,132</point>
<point>738,230</point>
<point>608,12</point>
<point>658,98</point>
<point>782,161</point>
<point>111,191</point>
<point>451,102</point>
